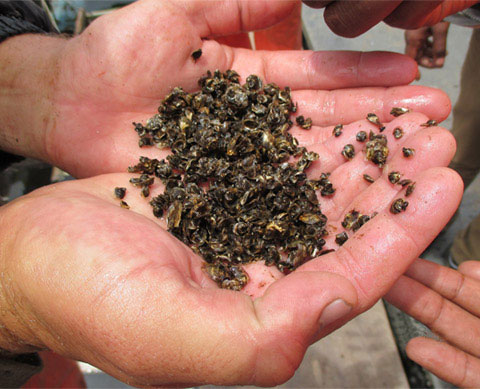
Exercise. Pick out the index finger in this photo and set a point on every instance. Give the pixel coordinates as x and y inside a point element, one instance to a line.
<point>314,69</point>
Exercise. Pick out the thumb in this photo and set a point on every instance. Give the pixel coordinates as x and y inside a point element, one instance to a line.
<point>296,311</point>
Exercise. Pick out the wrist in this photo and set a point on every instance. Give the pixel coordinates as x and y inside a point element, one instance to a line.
<point>29,71</point>
<point>16,332</point>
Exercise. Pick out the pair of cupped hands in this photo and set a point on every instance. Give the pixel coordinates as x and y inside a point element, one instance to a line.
<point>95,282</point>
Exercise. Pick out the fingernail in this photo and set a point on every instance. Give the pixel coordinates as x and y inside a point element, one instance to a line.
<point>425,62</point>
<point>439,61</point>
<point>333,312</point>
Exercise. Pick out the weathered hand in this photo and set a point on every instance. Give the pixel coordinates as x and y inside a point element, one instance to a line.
<point>447,302</point>
<point>352,18</point>
<point>75,108</point>
<point>110,286</point>
<point>430,54</point>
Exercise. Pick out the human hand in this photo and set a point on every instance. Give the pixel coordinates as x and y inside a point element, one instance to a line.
<point>429,53</point>
<point>352,18</point>
<point>447,301</point>
<point>76,106</point>
<point>95,282</point>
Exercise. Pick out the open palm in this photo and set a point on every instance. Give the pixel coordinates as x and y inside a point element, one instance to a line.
<point>118,70</point>
<point>110,286</point>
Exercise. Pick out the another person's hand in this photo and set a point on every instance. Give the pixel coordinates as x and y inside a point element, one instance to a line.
<point>448,302</point>
<point>352,18</point>
<point>92,281</point>
<point>72,102</point>
<point>428,45</point>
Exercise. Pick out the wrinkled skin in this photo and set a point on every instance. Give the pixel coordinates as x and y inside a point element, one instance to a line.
<point>447,302</point>
<point>352,18</point>
<point>110,286</point>
<point>108,77</point>
<point>92,281</point>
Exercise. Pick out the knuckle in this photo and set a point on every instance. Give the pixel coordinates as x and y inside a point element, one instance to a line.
<point>432,310</point>
<point>452,287</point>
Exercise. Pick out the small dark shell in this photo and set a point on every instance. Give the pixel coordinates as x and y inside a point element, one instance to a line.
<point>372,118</point>
<point>397,111</point>
<point>120,192</point>
<point>408,152</point>
<point>430,123</point>
<point>394,177</point>
<point>404,182</point>
<point>341,238</point>
<point>354,220</point>
<point>368,178</point>
<point>376,149</point>
<point>410,189</point>
<point>399,205</point>
<point>123,204</point>
<point>196,55</point>
<point>174,215</point>
<point>348,151</point>
<point>382,128</point>
<point>397,133</point>
<point>337,130</point>
<point>145,192</point>
<point>361,136</point>
<point>253,82</point>
<point>310,218</point>
<point>307,124</point>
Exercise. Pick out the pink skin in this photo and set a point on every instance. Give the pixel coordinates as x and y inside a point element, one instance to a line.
<point>126,296</point>
<point>108,77</point>
<point>446,301</point>
<point>110,286</point>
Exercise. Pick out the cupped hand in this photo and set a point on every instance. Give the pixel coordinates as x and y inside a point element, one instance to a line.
<point>447,301</point>
<point>117,71</point>
<point>96,282</point>
<point>352,18</point>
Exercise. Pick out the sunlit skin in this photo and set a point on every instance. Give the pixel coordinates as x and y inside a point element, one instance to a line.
<point>96,282</point>
<point>110,286</point>
<point>95,85</point>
